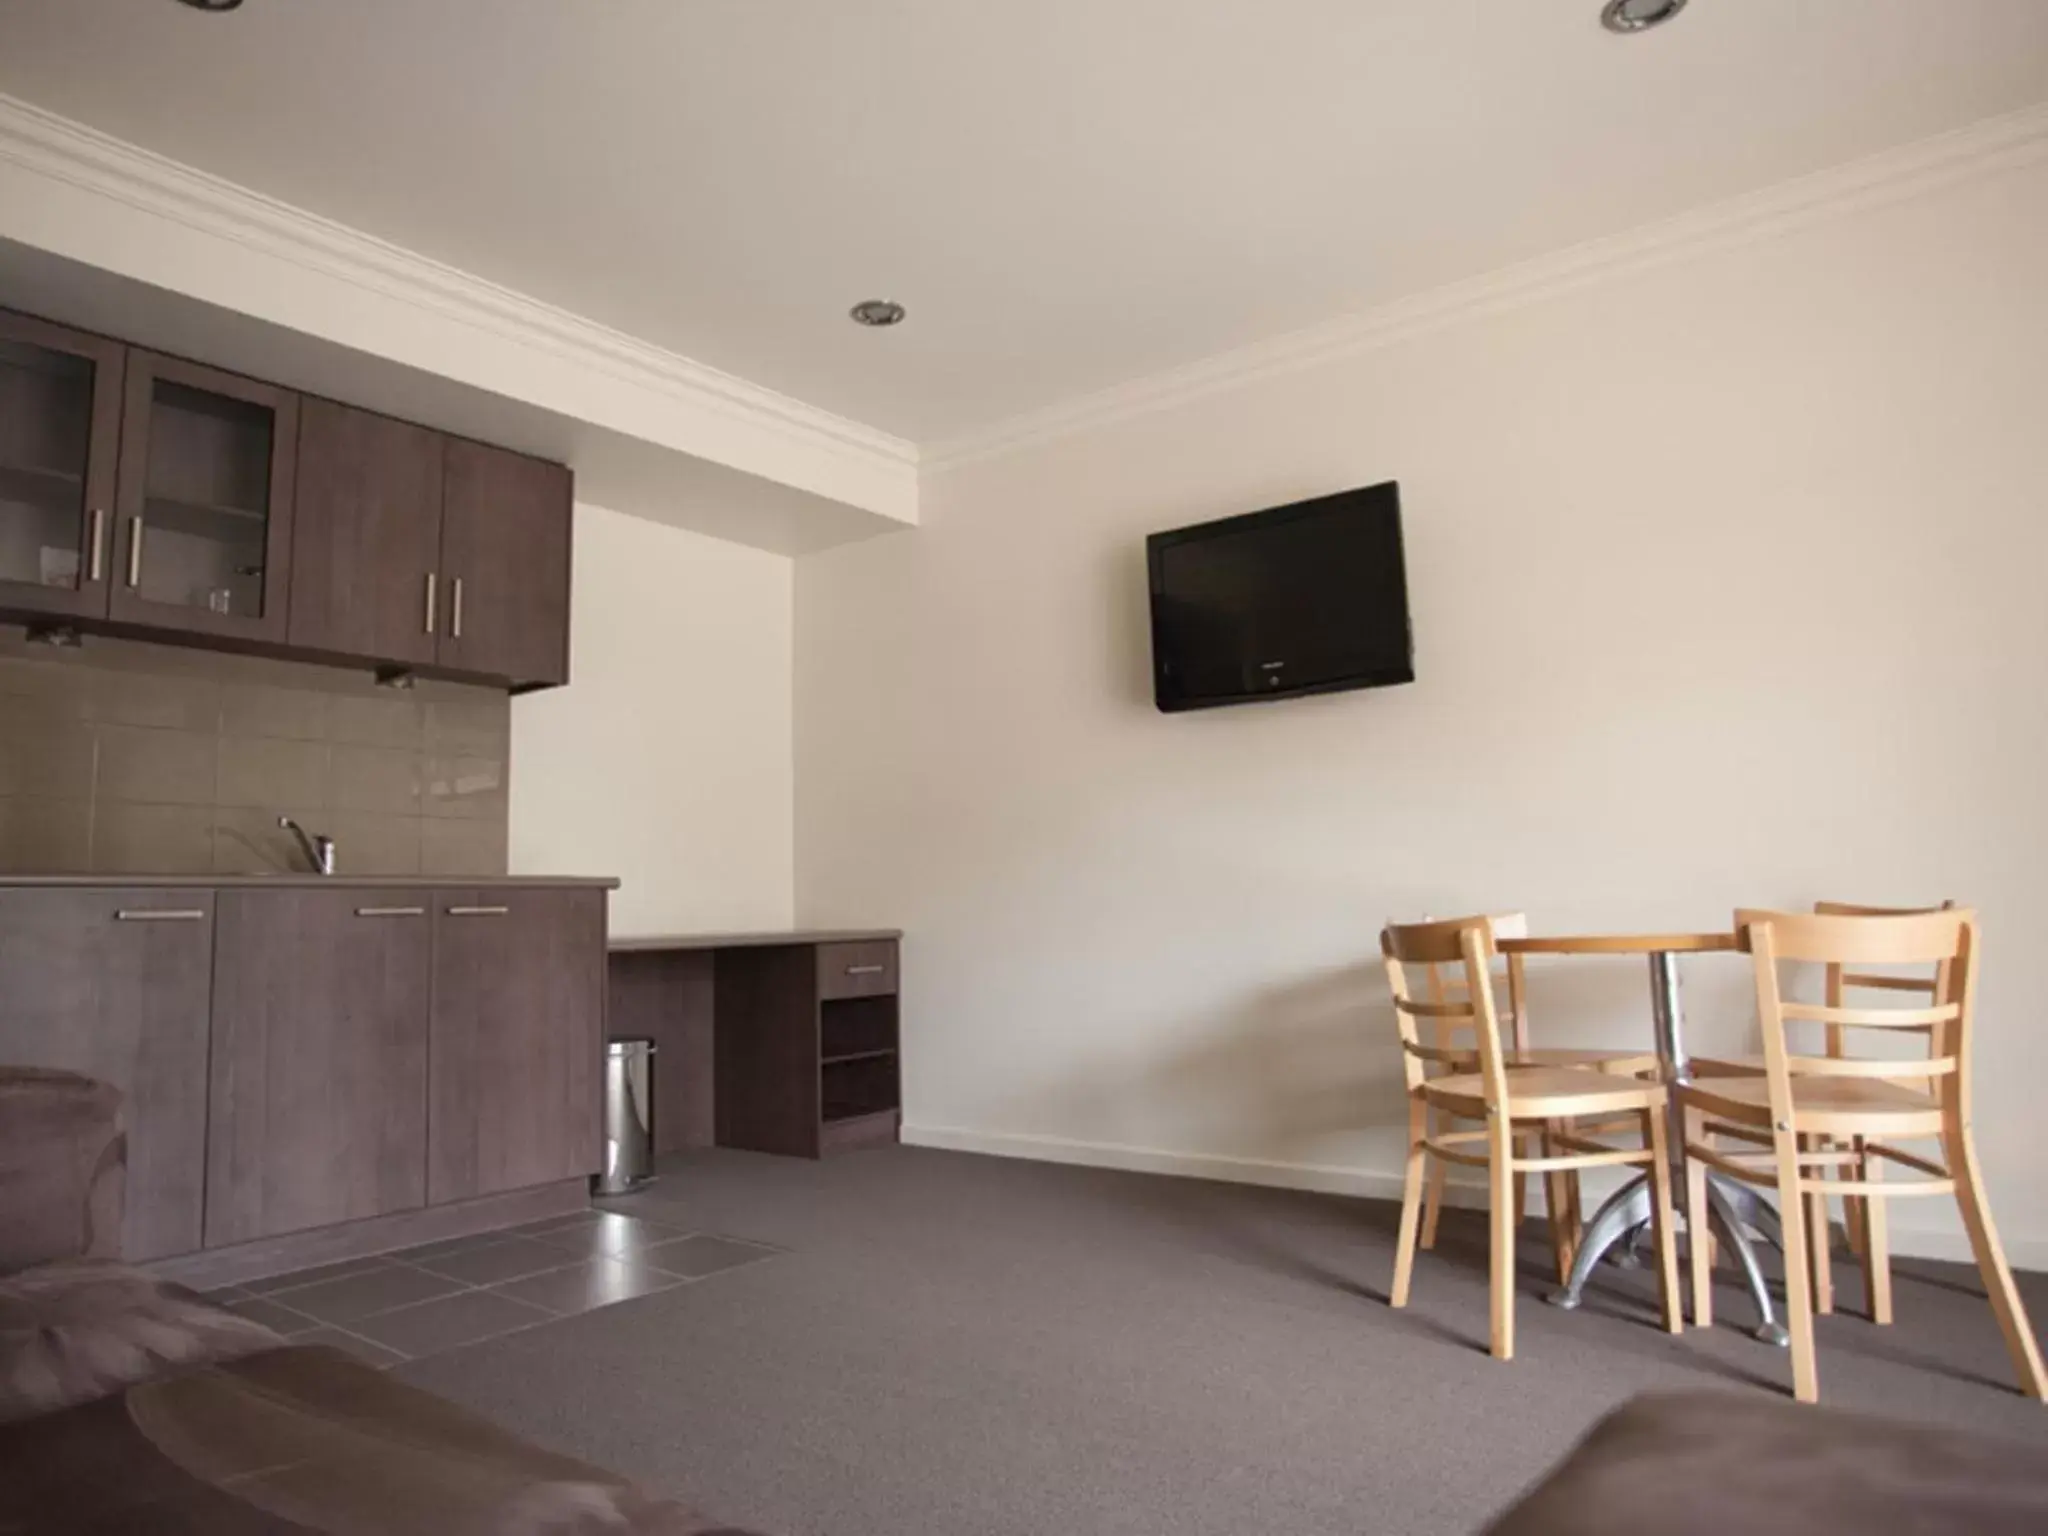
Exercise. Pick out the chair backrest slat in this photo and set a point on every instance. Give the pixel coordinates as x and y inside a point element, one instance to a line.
<point>1871,1018</point>
<point>1418,1010</point>
<point>1461,1060</point>
<point>1446,983</point>
<point>1452,954</point>
<point>1945,938</point>
<point>1883,1070</point>
<point>1839,979</point>
<point>1915,938</point>
<point>1861,909</point>
<point>1434,942</point>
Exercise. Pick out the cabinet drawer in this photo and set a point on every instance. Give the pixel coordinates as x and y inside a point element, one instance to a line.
<point>857,970</point>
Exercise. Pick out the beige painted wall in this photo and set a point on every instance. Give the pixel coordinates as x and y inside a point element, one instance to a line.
<point>1727,588</point>
<point>667,760</point>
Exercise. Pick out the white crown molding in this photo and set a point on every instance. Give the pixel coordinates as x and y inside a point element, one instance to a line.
<point>49,145</point>
<point>1893,176</point>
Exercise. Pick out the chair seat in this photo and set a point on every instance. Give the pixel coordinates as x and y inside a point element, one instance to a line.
<point>1821,1103</point>
<point>1541,1093</point>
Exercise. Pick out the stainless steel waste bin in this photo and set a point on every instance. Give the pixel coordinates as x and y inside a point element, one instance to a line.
<point>628,1116</point>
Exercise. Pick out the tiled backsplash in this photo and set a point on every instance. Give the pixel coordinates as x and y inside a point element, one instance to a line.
<point>128,758</point>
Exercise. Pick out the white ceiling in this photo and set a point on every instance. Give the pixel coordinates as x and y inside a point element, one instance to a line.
<point>1068,194</point>
<point>614,469</point>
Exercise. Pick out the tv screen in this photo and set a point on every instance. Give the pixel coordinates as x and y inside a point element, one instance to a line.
<point>1307,598</point>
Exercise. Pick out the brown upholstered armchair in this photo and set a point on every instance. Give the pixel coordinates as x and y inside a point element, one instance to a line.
<point>63,1161</point>
<point>129,1403</point>
<point>75,1323</point>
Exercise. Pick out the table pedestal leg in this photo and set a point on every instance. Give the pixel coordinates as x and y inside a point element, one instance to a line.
<point>1625,1216</point>
<point>1621,1213</point>
<point>1732,1204</point>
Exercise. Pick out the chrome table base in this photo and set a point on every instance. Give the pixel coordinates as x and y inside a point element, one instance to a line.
<point>1623,1222</point>
<point>1622,1226</point>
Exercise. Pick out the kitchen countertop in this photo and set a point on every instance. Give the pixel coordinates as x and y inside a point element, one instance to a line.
<point>288,880</point>
<point>660,943</point>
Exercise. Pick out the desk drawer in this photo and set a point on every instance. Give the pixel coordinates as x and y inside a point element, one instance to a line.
<point>857,970</point>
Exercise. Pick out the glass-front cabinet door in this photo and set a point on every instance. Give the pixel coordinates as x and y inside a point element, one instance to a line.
<point>207,463</point>
<point>60,425</point>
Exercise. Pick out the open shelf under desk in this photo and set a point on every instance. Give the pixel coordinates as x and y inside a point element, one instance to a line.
<point>837,1061</point>
<point>857,1026</point>
<point>754,1051</point>
<point>865,1086</point>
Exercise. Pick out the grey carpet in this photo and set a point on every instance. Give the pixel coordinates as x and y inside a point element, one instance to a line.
<point>967,1346</point>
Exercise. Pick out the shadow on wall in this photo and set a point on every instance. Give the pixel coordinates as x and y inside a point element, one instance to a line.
<point>1309,1073</point>
<point>1282,1072</point>
<point>1294,1069</point>
<point>1129,602</point>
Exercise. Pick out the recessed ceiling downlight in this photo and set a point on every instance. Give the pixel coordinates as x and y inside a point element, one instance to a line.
<point>1626,16</point>
<point>212,5</point>
<point>878,312</point>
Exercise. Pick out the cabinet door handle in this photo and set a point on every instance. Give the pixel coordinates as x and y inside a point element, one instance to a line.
<point>455,611</point>
<point>478,911</point>
<point>391,911</point>
<point>135,550</point>
<point>96,546</point>
<point>865,970</point>
<point>160,915</point>
<point>433,581</point>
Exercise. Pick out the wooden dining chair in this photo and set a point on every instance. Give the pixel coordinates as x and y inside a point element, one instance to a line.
<point>1507,1103</point>
<point>1445,983</point>
<point>1863,1220</point>
<point>1864,1106</point>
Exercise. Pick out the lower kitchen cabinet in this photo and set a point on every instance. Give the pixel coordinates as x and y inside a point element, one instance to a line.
<point>516,1045</point>
<point>318,1092</point>
<point>297,1056</point>
<point>116,984</point>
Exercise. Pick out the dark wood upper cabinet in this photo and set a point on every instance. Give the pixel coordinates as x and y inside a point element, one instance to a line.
<point>60,435</point>
<point>116,984</point>
<point>318,1102</point>
<point>517,1042</point>
<point>366,536</point>
<point>163,499</point>
<point>205,501</point>
<point>505,549</point>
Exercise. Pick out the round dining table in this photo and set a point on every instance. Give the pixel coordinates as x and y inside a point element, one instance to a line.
<point>1623,1219</point>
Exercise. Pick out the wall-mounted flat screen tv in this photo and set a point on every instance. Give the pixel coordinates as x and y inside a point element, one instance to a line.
<point>1307,598</point>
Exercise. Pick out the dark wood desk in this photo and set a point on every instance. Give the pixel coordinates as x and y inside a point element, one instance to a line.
<point>772,1042</point>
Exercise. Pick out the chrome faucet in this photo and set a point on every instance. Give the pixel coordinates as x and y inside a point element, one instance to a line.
<point>319,851</point>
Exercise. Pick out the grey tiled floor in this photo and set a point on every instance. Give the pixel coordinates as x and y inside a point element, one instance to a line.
<point>416,1302</point>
